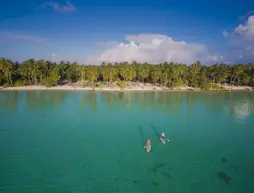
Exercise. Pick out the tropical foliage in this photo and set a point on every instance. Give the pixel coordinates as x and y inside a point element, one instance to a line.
<point>32,72</point>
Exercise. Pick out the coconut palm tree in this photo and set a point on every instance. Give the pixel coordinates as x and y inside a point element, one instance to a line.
<point>35,68</point>
<point>156,74</point>
<point>236,72</point>
<point>7,67</point>
<point>194,70</point>
<point>222,73</point>
<point>24,71</point>
<point>213,72</point>
<point>83,73</point>
<point>92,74</point>
<point>54,74</point>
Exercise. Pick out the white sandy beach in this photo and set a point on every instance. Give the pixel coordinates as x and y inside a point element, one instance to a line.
<point>131,88</point>
<point>66,87</point>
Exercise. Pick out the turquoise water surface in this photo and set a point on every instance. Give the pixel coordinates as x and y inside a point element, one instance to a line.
<point>91,142</point>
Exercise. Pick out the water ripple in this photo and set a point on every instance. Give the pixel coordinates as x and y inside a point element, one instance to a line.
<point>242,110</point>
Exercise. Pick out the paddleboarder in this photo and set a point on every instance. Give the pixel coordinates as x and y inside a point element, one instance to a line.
<point>148,145</point>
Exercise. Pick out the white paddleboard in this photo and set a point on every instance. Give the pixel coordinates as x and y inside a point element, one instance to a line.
<point>162,140</point>
<point>148,148</point>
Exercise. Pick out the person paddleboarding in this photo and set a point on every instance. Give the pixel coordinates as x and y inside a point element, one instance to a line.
<point>148,145</point>
<point>163,138</point>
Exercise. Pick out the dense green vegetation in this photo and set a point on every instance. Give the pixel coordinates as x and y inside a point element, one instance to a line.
<point>41,72</point>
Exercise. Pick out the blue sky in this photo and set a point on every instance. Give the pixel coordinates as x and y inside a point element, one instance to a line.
<point>92,31</point>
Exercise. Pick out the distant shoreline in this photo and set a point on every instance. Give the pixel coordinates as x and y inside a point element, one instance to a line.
<point>118,89</point>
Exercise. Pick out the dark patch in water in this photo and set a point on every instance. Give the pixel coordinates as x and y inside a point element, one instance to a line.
<point>224,177</point>
<point>224,159</point>
<point>155,184</point>
<point>141,134</point>
<point>135,181</point>
<point>155,130</point>
<point>155,167</point>
<point>119,161</point>
<point>160,165</point>
<point>167,175</point>
<point>85,166</point>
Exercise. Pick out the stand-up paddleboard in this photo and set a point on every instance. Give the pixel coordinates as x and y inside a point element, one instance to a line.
<point>148,148</point>
<point>162,140</point>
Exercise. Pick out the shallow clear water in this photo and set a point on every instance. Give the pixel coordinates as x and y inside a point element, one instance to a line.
<point>57,141</point>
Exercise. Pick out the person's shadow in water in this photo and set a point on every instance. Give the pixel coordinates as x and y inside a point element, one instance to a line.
<point>142,135</point>
<point>155,130</point>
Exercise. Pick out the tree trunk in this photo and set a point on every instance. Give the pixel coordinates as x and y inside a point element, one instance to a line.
<point>35,80</point>
<point>29,79</point>
<point>10,79</point>
<point>234,80</point>
<point>82,80</point>
<point>7,77</point>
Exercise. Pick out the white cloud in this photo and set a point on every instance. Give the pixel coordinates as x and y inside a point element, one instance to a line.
<point>62,8</point>
<point>156,48</point>
<point>225,33</point>
<point>245,16</point>
<point>107,43</point>
<point>242,40</point>
<point>246,30</point>
<point>145,38</point>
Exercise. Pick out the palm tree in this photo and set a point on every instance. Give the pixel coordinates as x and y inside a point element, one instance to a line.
<point>112,73</point>
<point>83,73</point>
<point>236,72</point>
<point>175,73</point>
<point>164,74</point>
<point>72,71</point>
<point>92,74</point>
<point>105,70</point>
<point>182,73</point>
<point>214,71</point>
<point>123,70</point>
<point>7,68</point>
<point>54,74</point>
<point>35,70</point>
<point>143,71</point>
<point>156,74</point>
<point>25,72</point>
<point>131,72</point>
<point>194,70</point>
<point>222,73</point>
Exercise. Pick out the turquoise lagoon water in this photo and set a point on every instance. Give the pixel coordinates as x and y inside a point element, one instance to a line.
<point>75,142</point>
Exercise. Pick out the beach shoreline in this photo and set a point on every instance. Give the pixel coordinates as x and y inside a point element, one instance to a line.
<point>118,89</point>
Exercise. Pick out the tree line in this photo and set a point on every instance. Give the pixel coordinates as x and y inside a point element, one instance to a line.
<point>48,73</point>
